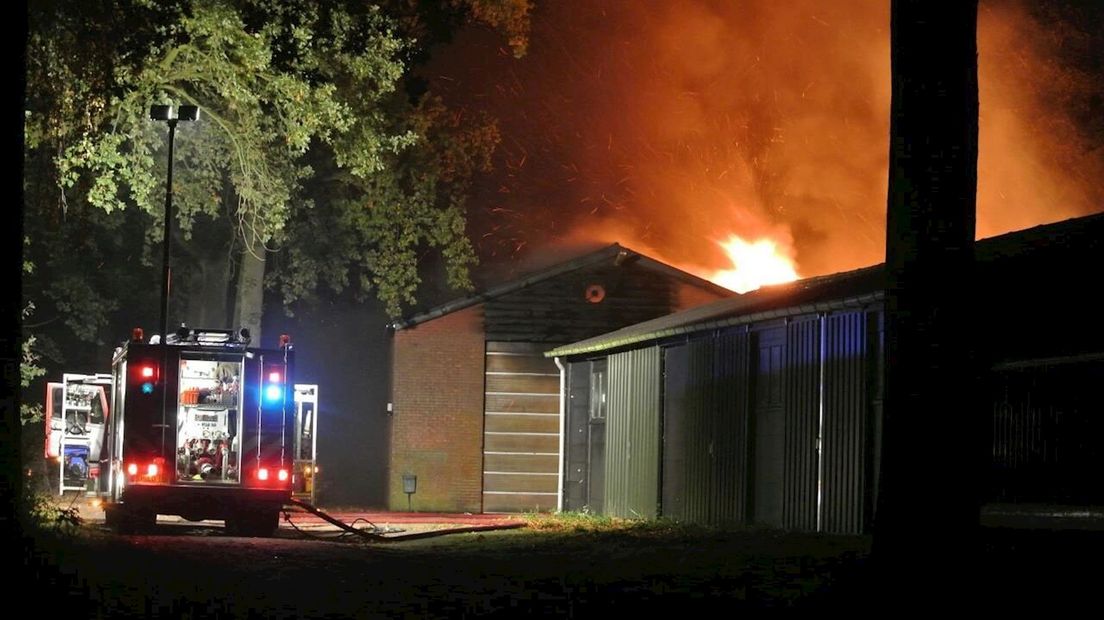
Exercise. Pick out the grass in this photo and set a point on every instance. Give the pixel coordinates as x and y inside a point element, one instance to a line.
<point>586,522</point>
<point>564,522</point>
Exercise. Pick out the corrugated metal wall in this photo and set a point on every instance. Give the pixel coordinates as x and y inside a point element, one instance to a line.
<point>768,426</point>
<point>732,395</point>
<point>844,445</point>
<point>802,404</point>
<point>680,400</point>
<point>705,474</point>
<point>633,434</point>
<point>771,424</point>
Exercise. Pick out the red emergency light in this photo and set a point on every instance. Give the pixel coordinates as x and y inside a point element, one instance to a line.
<point>274,377</point>
<point>262,474</point>
<point>283,475</point>
<point>132,469</point>
<point>147,372</point>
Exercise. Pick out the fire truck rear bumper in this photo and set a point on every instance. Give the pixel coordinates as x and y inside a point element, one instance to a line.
<point>197,503</point>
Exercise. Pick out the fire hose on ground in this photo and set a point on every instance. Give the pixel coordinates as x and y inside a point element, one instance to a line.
<point>376,536</point>
<point>373,536</point>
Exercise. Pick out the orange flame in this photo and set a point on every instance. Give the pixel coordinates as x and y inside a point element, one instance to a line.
<point>757,256</point>
<point>755,263</point>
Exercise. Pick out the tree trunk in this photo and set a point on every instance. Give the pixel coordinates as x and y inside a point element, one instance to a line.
<point>927,509</point>
<point>250,294</point>
<point>209,287</point>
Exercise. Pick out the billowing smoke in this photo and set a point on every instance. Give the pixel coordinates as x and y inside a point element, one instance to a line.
<point>669,126</point>
<point>1041,158</point>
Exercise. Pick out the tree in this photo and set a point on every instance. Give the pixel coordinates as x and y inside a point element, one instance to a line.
<point>311,168</point>
<point>927,501</point>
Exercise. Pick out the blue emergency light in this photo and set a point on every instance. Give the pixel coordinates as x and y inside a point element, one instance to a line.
<point>274,390</point>
<point>273,393</point>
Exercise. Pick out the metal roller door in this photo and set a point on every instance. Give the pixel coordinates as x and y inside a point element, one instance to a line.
<point>521,428</point>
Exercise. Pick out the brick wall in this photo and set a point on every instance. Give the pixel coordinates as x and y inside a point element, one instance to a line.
<point>437,420</point>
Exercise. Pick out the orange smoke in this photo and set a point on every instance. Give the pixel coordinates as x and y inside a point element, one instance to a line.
<point>668,125</point>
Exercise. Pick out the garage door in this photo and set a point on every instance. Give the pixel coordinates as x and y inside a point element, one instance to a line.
<point>521,429</point>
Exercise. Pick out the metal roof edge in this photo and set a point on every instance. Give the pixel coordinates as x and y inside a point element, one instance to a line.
<point>774,313</point>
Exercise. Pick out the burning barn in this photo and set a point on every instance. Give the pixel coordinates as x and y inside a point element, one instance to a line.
<point>475,413</point>
<point>765,408</point>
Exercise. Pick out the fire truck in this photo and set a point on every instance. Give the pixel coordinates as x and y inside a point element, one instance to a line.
<point>203,426</point>
<point>76,409</point>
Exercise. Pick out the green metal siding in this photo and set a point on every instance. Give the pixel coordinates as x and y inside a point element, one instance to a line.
<point>801,369</point>
<point>633,434</point>
<point>732,356</point>
<point>705,474</point>
<point>768,427</point>
<point>679,397</point>
<point>844,477</point>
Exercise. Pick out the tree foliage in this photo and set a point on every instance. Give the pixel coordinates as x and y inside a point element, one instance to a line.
<point>308,149</point>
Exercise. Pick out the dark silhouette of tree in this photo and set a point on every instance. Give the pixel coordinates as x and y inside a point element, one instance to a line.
<point>927,502</point>
<point>11,478</point>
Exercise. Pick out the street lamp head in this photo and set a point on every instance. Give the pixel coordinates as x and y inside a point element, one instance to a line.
<point>188,113</point>
<point>161,112</point>
<point>167,113</point>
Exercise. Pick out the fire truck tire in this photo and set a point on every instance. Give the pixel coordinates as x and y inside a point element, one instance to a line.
<point>258,524</point>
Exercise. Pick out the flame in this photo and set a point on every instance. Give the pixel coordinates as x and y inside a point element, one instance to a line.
<point>755,263</point>
<point>752,254</point>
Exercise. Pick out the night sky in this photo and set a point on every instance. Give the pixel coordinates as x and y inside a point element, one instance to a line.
<point>667,126</point>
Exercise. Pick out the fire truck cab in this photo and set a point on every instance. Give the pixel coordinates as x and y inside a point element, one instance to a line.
<point>202,427</point>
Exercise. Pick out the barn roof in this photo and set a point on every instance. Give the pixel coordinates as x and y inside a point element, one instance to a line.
<point>614,253</point>
<point>849,289</point>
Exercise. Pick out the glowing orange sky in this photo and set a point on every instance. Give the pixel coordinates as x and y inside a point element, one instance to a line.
<point>668,126</point>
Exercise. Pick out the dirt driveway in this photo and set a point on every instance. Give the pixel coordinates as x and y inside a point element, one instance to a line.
<point>187,570</point>
<point>197,571</point>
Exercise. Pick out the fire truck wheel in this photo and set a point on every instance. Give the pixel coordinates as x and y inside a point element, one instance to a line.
<point>259,524</point>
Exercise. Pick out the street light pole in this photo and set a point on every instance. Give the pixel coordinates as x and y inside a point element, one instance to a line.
<point>171,117</point>
<point>166,271</point>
